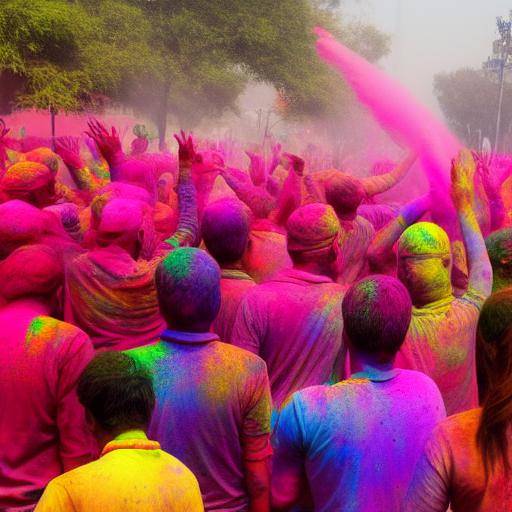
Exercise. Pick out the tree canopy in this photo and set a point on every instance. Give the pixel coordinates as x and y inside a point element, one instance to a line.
<point>187,58</point>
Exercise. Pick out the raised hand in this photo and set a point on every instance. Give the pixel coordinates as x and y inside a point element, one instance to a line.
<point>257,168</point>
<point>463,179</point>
<point>68,148</point>
<point>296,163</point>
<point>109,144</point>
<point>186,151</point>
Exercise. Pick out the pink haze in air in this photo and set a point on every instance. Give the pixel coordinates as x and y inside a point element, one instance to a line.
<point>401,115</point>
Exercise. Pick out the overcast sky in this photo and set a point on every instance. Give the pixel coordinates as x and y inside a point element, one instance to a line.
<point>429,36</point>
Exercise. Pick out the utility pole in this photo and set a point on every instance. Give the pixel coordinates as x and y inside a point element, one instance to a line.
<point>500,63</point>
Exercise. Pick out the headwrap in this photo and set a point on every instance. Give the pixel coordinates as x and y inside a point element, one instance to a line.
<point>26,177</point>
<point>424,239</point>
<point>312,227</point>
<point>30,270</point>
<point>45,156</point>
<point>20,224</point>
<point>121,216</point>
<point>344,192</point>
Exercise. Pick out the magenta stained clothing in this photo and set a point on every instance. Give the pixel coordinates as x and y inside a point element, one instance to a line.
<point>42,425</point>
<point>234,284</point>
<point>441,344</point>
<point>452,470</point>
<point>294,323</point>
<point>208,395</point>
<point>358,441</point>
<point>113,298</point>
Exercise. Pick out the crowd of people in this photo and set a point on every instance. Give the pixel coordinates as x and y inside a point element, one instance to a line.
<point>181,335</point>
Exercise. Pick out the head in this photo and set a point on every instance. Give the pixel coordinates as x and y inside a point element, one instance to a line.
<point>117,395</point>
<point>44,155</point>
<point>121,224</point>
<point>376,317</point>
<point>31,182</point>
<point>344,193</point>
<point>137,172</point>
<point>499,247</point>
<point>494,367</point>
<point>188,288</point>
<point>225,231</point>
<point>20,224</point>
<point>32,271</point>
<point>313,238</point>
<point>425,263</point>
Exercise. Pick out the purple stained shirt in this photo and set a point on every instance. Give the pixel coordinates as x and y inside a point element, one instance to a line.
<point>208,395</point>
<point>234,284</point>
<point>294,323</point>
<point>357,441</point>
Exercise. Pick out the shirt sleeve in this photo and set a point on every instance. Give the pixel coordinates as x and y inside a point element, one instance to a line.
<point>257,406</point>
<point>55,499</point>
<point>76,443</point>
<point>429,488</point>
<point>247,329</point>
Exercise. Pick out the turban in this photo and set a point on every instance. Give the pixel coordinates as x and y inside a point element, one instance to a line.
<point>121,216</point>
<point>26,177</point>
<point>312,227</point>
<point>20,223</point>
<point>43,155</point>
<point>424,239</point>
<point>30,270</point>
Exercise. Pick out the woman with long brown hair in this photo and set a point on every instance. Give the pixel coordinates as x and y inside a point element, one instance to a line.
<point>467,462</point>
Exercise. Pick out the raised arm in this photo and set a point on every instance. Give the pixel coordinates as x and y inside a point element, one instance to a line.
<point>379,184</point>
<point>380,253</point>
<point>463,191</point>
<point>187,233</point>
<point>109,145</point>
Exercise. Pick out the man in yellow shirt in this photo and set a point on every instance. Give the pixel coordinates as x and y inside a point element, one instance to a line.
<point>133,473</point>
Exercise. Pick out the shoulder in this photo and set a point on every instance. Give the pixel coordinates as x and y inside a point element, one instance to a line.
<point>46,331</point>
<point>245,360</point>
<point>177,469</point>
<point>459,426</point>
<point>147,355</point>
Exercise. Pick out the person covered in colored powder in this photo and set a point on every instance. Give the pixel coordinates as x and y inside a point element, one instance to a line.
<point>356,442</point>
<point>43,430</point>
<point>293,321</point>
<point>133,473</point>
<point>225,232</point>
<point>466,462</point>
<point>499,248</point>
<point>212,399</point>
<point>110,291</point>
<point>441,338</point>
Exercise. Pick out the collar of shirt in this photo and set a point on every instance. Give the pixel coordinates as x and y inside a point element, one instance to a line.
<point>375,375</point>
<point>229,273</point>
<point>131,440</point>
<point>188,338</point>
<point>291,275</point>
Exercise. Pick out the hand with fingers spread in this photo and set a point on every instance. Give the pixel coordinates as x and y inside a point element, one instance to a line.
<point>257,168</point>
<point>109,144</point>
<point>186,151</point>
<point>68,148</point>
<point>296,163</point>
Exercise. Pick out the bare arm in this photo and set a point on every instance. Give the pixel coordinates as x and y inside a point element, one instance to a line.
<point>257,452</point>
<point>379,184</point>
<point>463,190</point>
<point>380,252</point>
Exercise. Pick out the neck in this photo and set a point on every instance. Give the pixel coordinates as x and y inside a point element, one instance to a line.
<point>347,216</point>
<point>370,365</point>
<point>237,265</point>
<point>312,268</point>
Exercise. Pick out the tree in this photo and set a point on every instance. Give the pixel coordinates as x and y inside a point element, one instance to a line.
<point>469,101</point>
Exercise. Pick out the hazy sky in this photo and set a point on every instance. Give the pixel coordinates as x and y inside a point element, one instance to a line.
<point>429,36</point>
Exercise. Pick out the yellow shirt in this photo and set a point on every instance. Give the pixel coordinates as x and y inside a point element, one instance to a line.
<point>133,474</point>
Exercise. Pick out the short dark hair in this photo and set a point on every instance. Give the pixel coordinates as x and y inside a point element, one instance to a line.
<point>344,193</point>
<point>188,287</point>
<point>225,230</point>
<point>376,315</point>
<point>117,392</point>
<point>499,247</point>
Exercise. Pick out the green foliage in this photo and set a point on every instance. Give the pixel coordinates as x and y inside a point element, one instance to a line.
<point>191,58</point>
<point>469,98</point>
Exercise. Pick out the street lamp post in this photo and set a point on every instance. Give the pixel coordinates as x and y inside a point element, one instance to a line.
<point>502,50</point>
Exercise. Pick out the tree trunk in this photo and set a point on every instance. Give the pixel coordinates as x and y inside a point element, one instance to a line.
<point>161,118</point>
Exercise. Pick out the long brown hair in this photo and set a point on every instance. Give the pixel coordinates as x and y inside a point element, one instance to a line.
<point>494,367</point>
